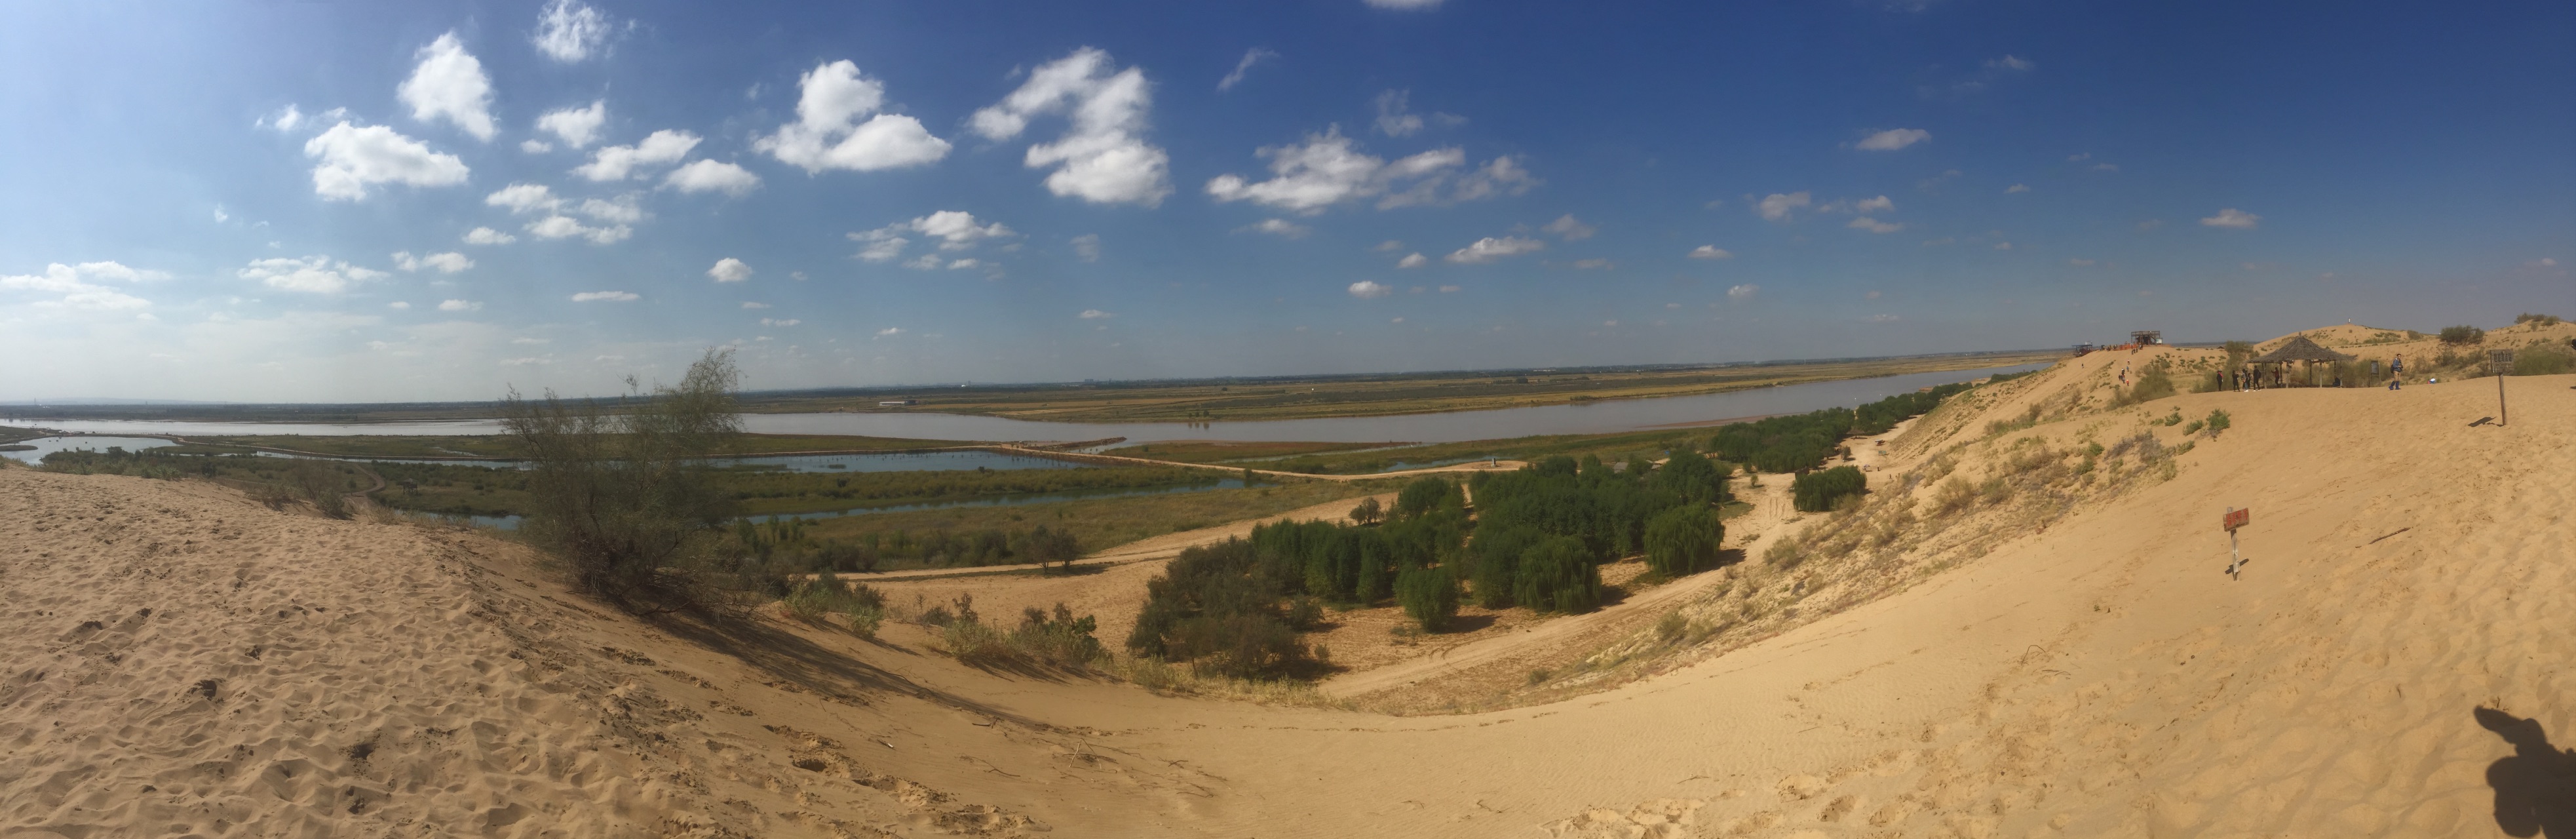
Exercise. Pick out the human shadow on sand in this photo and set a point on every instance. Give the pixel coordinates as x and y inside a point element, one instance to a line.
<point>2535,789</point>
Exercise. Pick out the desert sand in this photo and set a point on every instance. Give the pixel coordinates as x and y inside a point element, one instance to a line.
<point>180,661</point>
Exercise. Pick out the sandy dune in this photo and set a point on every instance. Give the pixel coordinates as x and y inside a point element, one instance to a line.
<point>2396,654</point>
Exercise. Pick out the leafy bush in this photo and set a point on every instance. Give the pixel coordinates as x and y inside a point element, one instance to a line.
<point>1368,512</point>
<point>1217,607</point>
<point>1816,492</point>
<point>1059,639</point>
<point>1683,540</point>
<point>623,496</point>
<point>1558,576</point>
<point>1429,596</point>
<point>977,643</point>
<point>864,607</point>
<point>2462,335</point>
<point>2533,317</point>
<point>2538,361</point>
<point>2155,381</point>
<point>2218,421</point>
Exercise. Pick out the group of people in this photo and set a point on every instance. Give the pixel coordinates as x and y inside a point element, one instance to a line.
<point>2245,379</point>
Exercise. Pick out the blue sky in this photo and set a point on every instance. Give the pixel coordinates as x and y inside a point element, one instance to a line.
<point>267,201</point>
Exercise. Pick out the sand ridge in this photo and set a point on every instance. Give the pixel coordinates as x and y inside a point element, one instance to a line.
<point>2399,640</point>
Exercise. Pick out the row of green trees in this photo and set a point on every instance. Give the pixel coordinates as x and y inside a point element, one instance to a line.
<point>1804,441</point>
<point>1820,490</point>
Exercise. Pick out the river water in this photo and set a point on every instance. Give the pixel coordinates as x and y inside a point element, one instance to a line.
<point>1455,426</point>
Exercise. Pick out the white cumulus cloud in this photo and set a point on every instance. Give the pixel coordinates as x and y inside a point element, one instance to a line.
<point>444,263</point>
<point>568,31</point>
<point>1779,206</point>
<point>1369,290</point>
<point>522,198</point>
<point>614,163</point>
<point>624,210</point>
<point>713,176</point>
<point>577,126</point>
<point>1413,260</point>
<point>312,274</point>
<point>1329,169</point>
<point>449,84</point>
<point>1102,156</point>
<point>1565,227</point>
<point>612,296</point>
<point>488,236</point>
<point>1879,204</point>
<point>565,227</point>
<point>1492,248</point>
<point>956,230</point>
<point>1874,225</point>
<point>1086,247</point>
<point>1094,314</point>
<point>2233,218</point>
<point>1743,292</point>
<point>468,306</point>
<point>1711,252</point>
<point>78,288</point>
<point>827,133</point>
<point>1893,139</point>
<point>353,157</point>
<point>1277,227</point>
<point>730,270</point>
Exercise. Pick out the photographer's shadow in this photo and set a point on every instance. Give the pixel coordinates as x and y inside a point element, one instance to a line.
<point>2535,789</point>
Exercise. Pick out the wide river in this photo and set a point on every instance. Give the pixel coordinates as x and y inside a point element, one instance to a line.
<point>1455,426</point>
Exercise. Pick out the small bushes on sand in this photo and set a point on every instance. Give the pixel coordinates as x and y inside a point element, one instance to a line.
<point>1817,492</point>
<point>2536,319</point>
<point>2218,421</point>
<point>2460,336</point>
<point>1057,638</point>
<point>2155,381</point>
<point>1683,540</point>
<point>861,606</point>
<point>1429,596</point>
<point>2543,361</point>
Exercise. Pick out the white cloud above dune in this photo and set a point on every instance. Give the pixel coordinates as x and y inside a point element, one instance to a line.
<point>1102,157</point>
<point>955,230</point>
<point>1780,206</point>
<point>78,286</point>
<point>2234,219</point>
<point>449,84</point>
<point>1328,169</point>
<point>1711,252</point>
<point>1492,248</point>
<point>1369,290</point>
<point>577,127</point>
<point>353,158</point>
<point>1413,260</point>
<point>615,163</point>
<point>444,263</point>
<point>310,275</point>
<point>712,176</point>
<point>1892,139</point>
<point>828,133</point>
<point>521,198</point>
<point>730,270</point>
<point>566,227</point>
<point>609,296</point>
<point>569,32</point>
<point>488,236</point>
<point>1567,228</point>
<point>1282,228</point>
<point>1251,57</point>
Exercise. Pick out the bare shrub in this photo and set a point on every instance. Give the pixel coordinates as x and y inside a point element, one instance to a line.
<point>620,491</point>
<point>1952,496</point>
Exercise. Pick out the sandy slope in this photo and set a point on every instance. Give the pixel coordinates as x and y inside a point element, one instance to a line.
<point>2099,679</point>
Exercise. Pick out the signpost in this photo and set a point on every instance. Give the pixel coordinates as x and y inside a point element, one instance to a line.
<point>2503,361</point>
<point>2234,519</point>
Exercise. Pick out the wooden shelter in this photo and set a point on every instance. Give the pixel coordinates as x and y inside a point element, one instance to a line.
<point>2298,350</point>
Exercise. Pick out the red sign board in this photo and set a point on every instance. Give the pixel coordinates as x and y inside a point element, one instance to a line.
<point>2236,519</point>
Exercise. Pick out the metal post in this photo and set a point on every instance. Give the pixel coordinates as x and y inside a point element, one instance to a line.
<point>2500,415</point>
<point>2502,362</point>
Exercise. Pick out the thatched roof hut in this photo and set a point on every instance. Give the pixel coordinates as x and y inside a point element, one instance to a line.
<point>2300,349</point>
<point>2303,352</point>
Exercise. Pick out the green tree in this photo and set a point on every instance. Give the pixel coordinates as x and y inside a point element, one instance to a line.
<point>1683,540</point>
<point>1429,596</point>
<point>1816,492</point>
<point>1368,512</point>
<point>621,491</point>
<point>1558,575</point>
